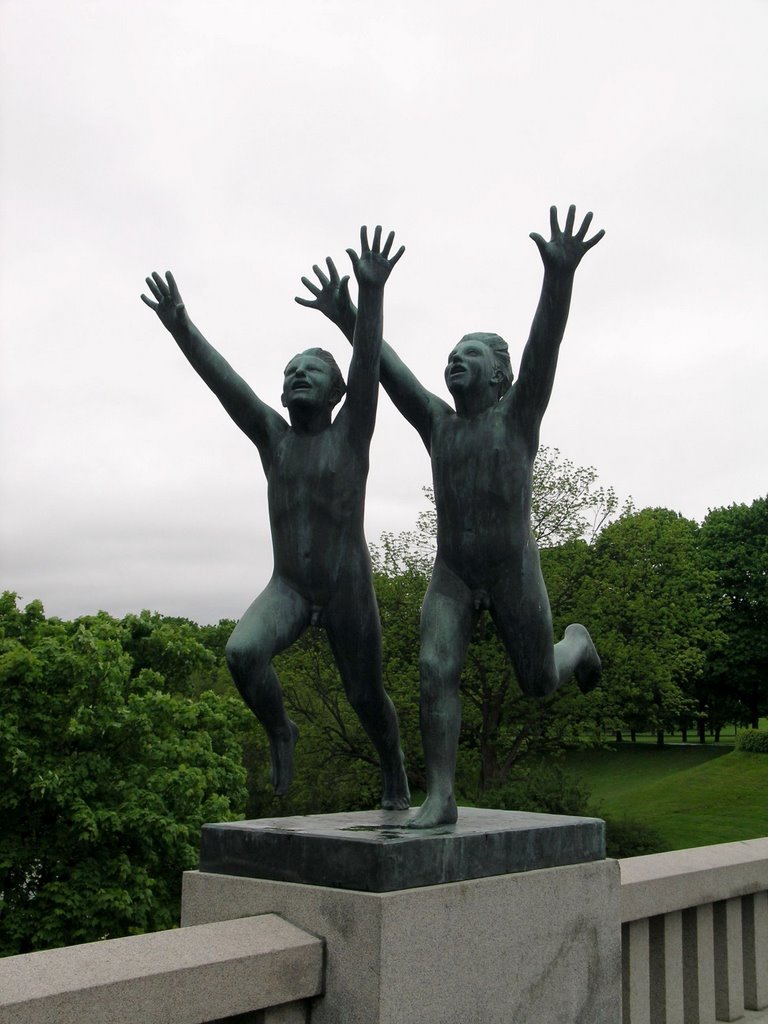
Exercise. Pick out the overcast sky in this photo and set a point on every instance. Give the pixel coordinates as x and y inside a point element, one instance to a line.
<point>238,142</point>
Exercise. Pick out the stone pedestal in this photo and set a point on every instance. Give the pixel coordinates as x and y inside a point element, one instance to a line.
<point>505,917</point>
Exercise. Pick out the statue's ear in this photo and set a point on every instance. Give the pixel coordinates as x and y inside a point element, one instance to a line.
<point>336,395</point>
<point>283,401</point>
<point>497,377</point>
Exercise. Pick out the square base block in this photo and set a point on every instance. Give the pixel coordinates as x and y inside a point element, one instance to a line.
<point>535,947</point>
<point>374,851</point>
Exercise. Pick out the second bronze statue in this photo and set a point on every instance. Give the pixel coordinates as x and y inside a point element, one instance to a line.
<point>482,453</point>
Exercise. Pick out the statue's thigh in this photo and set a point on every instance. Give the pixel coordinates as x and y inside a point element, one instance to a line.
<point>354,634</point>
<point>447,616</point>
<point>521,613</point>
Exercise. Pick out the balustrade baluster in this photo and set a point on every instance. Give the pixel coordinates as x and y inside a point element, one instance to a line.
<point>754,930</point>
<point>636,976</point>
<point>698,965</point>
<point>729,969</point>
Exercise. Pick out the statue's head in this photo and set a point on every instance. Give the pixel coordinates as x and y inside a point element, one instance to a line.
<point>313,377</point>
<point>478,360</point>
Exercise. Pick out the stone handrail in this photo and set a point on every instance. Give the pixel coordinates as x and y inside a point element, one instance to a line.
<point>694,950</point>
<point>183,976</point>
<point>695,934</point>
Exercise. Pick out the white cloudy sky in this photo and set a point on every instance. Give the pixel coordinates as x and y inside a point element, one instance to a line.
<point>237,142</point>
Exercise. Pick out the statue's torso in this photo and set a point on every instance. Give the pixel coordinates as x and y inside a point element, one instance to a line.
<point>482,470</point>
<point>316,492</point>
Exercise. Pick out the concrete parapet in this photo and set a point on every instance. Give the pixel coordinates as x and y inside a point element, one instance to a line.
<point>662,882</point>
<point>695,930</point>
<point>183,976</point>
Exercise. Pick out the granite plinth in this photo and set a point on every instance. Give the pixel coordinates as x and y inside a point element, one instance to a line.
<point>374,851</point>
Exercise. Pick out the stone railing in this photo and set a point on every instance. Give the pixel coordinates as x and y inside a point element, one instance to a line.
<point>694,950</point>
<point>253,969</point>
<point>695,934</point>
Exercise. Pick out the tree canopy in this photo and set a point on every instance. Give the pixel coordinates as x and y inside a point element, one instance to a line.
<point>734,543</point>
<point>647,597</point>
<point>108,775</point>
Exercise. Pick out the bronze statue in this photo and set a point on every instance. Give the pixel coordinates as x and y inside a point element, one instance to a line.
<point>482,462</point>
<point>316,470</point>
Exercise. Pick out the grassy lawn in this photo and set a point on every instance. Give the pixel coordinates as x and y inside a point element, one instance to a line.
<point>612,774</point>
<point>693,796</point>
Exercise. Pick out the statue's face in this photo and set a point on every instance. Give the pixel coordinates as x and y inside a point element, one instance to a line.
<point>308,380</point>
<point>471,366</point>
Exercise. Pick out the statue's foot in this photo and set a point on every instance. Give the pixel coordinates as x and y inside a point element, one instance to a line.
<point>395,794</point>
<point>589,668</point>
<point>436,810</point>
<point>282,759</point>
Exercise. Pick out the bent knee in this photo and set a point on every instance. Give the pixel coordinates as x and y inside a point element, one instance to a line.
<point>438,673</point>
<point>539,686</point>
<point>242,656</point>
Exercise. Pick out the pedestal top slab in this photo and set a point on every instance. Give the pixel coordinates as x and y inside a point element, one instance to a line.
<point>374,851</point>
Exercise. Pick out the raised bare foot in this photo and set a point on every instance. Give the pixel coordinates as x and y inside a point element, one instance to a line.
<point>436,810</point>
<point>395,794</point>
<point>589,669</point>
<point>281,748</point>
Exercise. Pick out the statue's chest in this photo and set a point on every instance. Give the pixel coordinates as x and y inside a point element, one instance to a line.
<point>311,470</point>
<point>479,459</point>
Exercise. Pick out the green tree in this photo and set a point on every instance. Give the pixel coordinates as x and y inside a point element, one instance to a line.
<point>174,647</point>
<point>108,775</point>
<point>734,542</point>
<point>647,596</point>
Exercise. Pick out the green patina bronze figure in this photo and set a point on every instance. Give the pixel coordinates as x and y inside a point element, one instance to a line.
<point>482,462</point>
<point>316,469</point>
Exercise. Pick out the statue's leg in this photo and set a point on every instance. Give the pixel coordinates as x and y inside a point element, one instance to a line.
<point>520,609</point>
<point>352,623</point>
<point>446,626</point>
<point>275,619</point>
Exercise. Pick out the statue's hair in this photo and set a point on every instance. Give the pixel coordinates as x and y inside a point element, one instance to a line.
<point>339,387</point>
<point>500,350</point>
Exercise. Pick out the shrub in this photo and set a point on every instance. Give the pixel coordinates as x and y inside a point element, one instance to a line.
<point>627,837</point>
<point>753,741</point>
<point>546,789</point>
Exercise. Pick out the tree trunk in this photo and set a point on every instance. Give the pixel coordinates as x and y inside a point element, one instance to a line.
<point>489,769</point>
<point>659,737</point>
<point>633,735</point>
<point>702,731</point>
<point>717,733</point>
<point>683,733</point>
<point>619,737</point>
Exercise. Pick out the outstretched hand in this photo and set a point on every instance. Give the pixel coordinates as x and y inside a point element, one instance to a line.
<point>564,250</point>
<point>169,306</point>
<point>373,266</point>
<point>332,297</point>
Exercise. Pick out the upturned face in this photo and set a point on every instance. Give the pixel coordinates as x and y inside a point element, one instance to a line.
<point>308,381</point>
<point>471,365</point>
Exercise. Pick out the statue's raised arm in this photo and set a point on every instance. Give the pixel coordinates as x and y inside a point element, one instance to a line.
<point>560,255</point>
<point>410,397</point>
<point>256,419</point>
<point>372,269</point>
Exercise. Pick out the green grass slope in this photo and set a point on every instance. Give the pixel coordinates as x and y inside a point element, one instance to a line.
<point>691,796</point>
<point>612,773</point>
